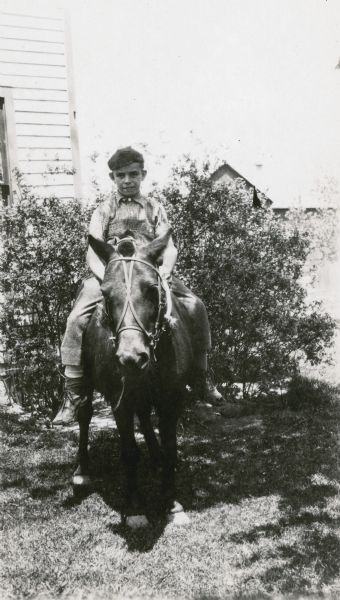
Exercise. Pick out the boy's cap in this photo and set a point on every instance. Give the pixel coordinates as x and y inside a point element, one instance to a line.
<point>124,157</point>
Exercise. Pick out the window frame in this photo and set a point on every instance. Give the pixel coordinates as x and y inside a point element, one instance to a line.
<point>9,150</point>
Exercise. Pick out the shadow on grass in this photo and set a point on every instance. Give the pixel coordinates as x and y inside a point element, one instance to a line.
<point>315,556</point>
<point>18,482</point>
<point>41,492</point>
<point>139,540</point>
<point>12,423</point>
<point>108,482</point>
<point>291,455</point>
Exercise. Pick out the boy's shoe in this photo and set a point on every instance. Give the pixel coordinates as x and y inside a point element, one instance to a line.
<point>73,398</point>
<point>205,391</point>
<point>68,412</point>
<point>212,395</point>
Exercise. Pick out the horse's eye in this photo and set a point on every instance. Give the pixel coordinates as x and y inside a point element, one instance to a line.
<point>152,293</point>
<point>111,304</point>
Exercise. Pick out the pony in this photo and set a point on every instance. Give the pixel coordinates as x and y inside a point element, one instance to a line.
<point>129,358</point>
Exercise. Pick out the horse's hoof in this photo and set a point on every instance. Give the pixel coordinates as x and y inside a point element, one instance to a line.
<point>176,514</point>
<point>178,518</point>
<point>81,480</point>
<point>136,521</point>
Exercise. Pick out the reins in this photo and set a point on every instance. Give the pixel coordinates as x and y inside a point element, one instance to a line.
<point>152,337</point>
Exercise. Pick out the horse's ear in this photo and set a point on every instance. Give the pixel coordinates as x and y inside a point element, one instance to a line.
<point>154,250</point>
<point>102,249</point>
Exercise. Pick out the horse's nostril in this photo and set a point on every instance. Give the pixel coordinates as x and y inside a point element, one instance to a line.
<point>126,360</point>
<point>143,360</point>
<point>130,361</point>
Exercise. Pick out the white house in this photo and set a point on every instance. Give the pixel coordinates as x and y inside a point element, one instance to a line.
<point>226,173</point>
<point>38,133</point>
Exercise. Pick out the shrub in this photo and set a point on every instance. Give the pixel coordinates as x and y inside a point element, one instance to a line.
<point>41,264</point>
<point>246,264</point>
<point>312,394</point>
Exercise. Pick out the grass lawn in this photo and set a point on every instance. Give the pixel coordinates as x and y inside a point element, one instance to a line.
<point>262,493</point>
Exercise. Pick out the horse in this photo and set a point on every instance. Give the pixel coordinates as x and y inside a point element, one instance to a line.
<point>129,359</point>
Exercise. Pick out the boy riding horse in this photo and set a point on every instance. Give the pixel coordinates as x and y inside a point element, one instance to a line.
<point>129,211</point>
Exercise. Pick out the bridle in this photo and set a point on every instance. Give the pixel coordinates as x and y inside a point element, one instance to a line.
<point>162,320</point>
<point>152,337</point>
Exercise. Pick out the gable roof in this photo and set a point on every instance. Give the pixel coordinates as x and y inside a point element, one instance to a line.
<point>227,170</point>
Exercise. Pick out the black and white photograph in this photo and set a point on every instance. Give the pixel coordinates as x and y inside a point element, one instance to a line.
<point>169,299</point>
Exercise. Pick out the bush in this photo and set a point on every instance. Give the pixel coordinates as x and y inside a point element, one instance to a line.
<point>312,394</point>
<point>41,264</point>
<point>246,264</point>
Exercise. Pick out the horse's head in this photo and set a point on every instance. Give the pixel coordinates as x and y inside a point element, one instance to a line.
<point>132,293</point>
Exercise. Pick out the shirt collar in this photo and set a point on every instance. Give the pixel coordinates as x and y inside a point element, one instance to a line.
<point>138,200</point>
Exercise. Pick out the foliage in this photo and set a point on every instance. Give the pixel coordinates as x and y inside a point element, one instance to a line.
<point>246,264</point>
<point>312,394</point>
<point>42,261</point>
<point>321,226</point>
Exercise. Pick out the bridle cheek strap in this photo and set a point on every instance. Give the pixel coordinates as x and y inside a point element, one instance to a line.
<point>152,338</point>
<point>168,302</point>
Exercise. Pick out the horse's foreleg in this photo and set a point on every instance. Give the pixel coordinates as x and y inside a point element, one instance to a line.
<point>144,416</point>
<point>130,455</point>
<point>167,431</point>
<point>81,476</point>
<point>168,435</point>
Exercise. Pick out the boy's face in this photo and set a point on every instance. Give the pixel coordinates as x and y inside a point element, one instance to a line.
<point>128,179</point>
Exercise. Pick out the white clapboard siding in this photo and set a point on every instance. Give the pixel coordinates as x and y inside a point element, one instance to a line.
<point>26,70</point>
<point>38,83</point>
<point>59,191</point>
<point>41,95</point>
<point>45,166</point>
<point>32,129</point>
<point>39,21</point>
<point>52,143</point>
<point>41,118</point>
<point>37,34</point>
<point>33,63</point>
<point>18,57</point>
<point>29,46</point>
<point>44,154</point>
<point>41,106</point>
<point>47,179</point>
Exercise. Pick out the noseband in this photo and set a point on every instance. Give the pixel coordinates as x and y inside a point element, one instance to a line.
<point>152,337</point>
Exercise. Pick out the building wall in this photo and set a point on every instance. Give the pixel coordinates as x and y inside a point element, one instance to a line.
<point>36,73</point>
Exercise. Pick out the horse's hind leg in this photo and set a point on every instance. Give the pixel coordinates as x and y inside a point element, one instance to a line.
<point>81,476</point>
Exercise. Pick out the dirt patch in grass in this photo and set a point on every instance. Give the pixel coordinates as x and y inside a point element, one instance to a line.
<point>262,493</point>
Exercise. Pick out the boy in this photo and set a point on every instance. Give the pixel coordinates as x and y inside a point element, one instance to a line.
<point>126,210</point>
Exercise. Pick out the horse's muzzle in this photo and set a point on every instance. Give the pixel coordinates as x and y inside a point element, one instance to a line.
<point>135,363</point>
